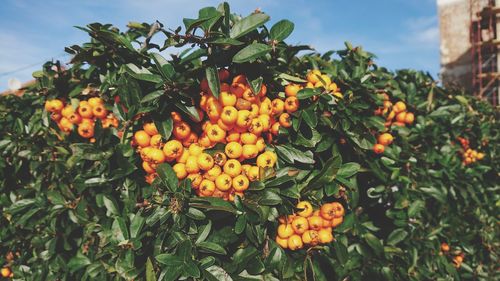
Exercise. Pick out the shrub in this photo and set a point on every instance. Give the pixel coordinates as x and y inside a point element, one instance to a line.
<point>73,209</point>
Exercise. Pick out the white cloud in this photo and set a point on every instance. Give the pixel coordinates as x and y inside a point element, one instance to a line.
<point>423,31</point>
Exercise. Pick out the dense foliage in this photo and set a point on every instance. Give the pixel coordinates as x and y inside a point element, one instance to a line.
<point>75,210</point>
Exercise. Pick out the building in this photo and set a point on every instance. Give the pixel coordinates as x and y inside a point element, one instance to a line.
<point>469,46</point>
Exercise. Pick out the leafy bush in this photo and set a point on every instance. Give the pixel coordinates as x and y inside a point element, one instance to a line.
<point>76,210</point>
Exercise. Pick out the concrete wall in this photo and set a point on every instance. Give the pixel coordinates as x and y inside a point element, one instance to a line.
<point>455,48</point>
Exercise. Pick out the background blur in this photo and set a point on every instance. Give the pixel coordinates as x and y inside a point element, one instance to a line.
<point>402,33</point>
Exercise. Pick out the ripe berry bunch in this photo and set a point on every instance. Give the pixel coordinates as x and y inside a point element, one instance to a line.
<point>469,155</point>
<point>395,114</point>
<point>309,227</point>
<point>84,116</point>
<point>383,140</point>
<point>458,260</point>
<point>315,79</point>
<point>239,121</point>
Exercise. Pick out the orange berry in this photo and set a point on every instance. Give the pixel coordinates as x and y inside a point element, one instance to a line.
<point>409,118</point>
<point>233,136</point>
<point>86,130</point>
<point>291,104</point>
<point>173,149</point>
<point>400,117</point>
<point>180,170</point>
<point>243,119</point>
<point>278,106</point>
<point>315,222</point>
<point>75,118</point>
<point>181,130</point>
<point>256,126</point>
<point>240,183</point>
<point>233,150</point>
<point>242,104</point>
<point>265,160</point>
<point>399,107</point>
<point>229,115</point>
<point>325,236</point>
<point>205,161</point>
<point>147,167</point>
<point>223,182</point>
<point>378,148</point>
<point>313,76</point>
<point>336,221</point>
<point>260,144</point>
<point>207,188</point>
<point>283,243</point>
<point>275,128</point>
<point>142,138</point>
<point>150,128</point>
<point>445,247</point>
<point>300,225</point>
<point>285,121</point>
<point>191,139</point>
<point>213,173</point>
<point>195,180</point>
<point>85,110</point>
<point>285,230</point>
<point>220,158</point>
<point>99,111</point>
<point>295,242</point>
<point>385,139</point>
<point>67,111</point>
<point>232,167</point>
<point>253,173</point>
<point>310,237</point>
<point>227,99</point>
<point>306,209</point>
<point>156,141</point>
<point>195,149</point>
<point>176,117</point>
<point>216,133</point>
<point>250,151</point>
<point>248,138</point>
<point>291,90</point>
<point>192,164</point>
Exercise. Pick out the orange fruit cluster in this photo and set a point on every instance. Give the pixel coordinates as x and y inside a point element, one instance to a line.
<point>315,79</point>
<point>395,114</point>
<point>469,155</point>
<point>383,140</point>
<point>309,227</point>
<point>84,116</point>
<point>239,119</point>
<point>458,260</point>
<point>6,272</point>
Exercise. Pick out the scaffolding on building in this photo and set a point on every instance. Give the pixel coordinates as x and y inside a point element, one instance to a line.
<point>485,46</point>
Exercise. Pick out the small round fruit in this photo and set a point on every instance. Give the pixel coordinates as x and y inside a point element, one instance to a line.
<point>192,164</point>
<point>313,76</point>
<point>240,183</point>
<point>229,115</point>
<point>173,149</point>
<point>85,110</point>
<point>310,237</point>
<point>336,221</point>
<point>399,107</point>
<point>147,167</point>
<point>315,222</point>
<point>207,188</point>
<point>99,111</point>
<point>285,230</point>
<point>378,148</point>
<point>142,138</point>
<point>223,182</point>
<point>233,150</point>
<point>283,243</point>
<point>445,247</point>
<point>220,158</point>
<point>291,104</point>
<point>409,118</point>
<point>338,209</point>
<point>150,128</point>
<point>284,120</point>
<point>295,242</point>
<point>94,101</point>
<point>385,139</point>
<point>232,167</point>
<point>181,130</point>
<point>291,90</point>
<point>265,160</point>
<point>253,173</point>
<point>300,225</point>
<point>5,272</point>
<point>248,138</point>
<point>325,235</point>
<point>86,130</point>
<point>213,173</point>
<point>205,161</point>
<point>195,180</point>
<point>250,151</point>
<point>216,134</point>
<point>306,209</point>
<point>180,170</point>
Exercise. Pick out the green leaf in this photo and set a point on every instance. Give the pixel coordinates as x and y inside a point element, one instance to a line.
<point>164,67</point>
<point>281,30</point>
<point>165,128</point>
<point>348,169</point>
<point>203,234</point>
<point>78,262</point>
<point>168,176</point>
<point>396,236</point>
<point>270,198</point>
<point>152,96</point>
<point>210,247</point>
<point>291,154</point>
<point>327,173</point>
<point>226,41</point>
<point>306,93</point>
<point>212,76</point>
<point>251,52</point>
<point>150,272</point>
<point>247,25</point>
<point>374,243</point>
<point>142,73</point>
<point>136,224</point>
<point>169,260</point>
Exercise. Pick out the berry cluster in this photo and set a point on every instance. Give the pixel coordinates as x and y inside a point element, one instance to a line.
<point>83,116</point>
<point>469,155</point>
<point>315,79</point>
<point>309,226</point>
<point>239,119</point>
<point>395,114</point>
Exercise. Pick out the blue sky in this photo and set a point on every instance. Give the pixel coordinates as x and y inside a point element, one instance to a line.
<point>402,33</point>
